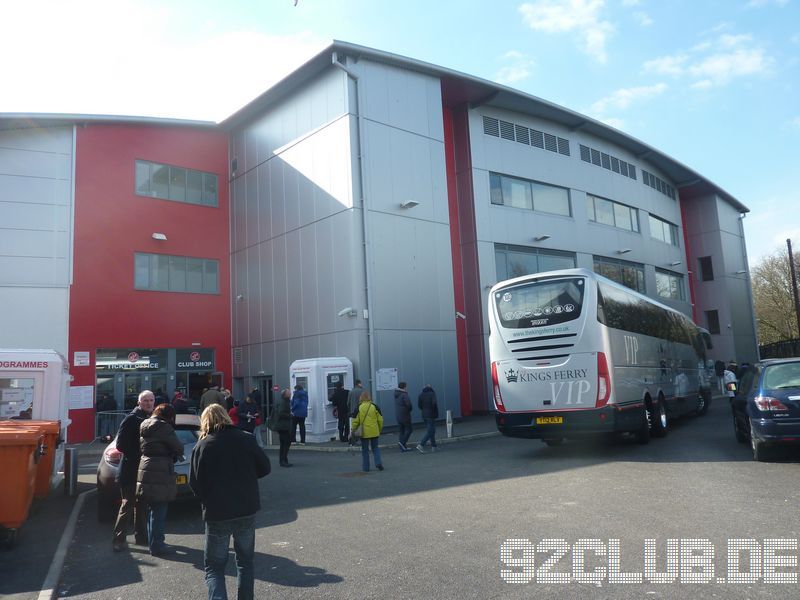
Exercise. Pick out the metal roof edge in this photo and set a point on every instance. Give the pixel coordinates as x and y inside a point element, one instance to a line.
<point>37,119</point>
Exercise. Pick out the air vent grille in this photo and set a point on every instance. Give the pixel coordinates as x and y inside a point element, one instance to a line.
<point>658,184</point>
<point>523,135</point>
<point>237,355</point>
<point>612,163</point>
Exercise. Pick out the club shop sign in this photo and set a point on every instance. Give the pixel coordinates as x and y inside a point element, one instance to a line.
<point>196,359</point>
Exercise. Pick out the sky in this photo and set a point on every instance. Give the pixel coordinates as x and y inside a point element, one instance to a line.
<point>715,84</point>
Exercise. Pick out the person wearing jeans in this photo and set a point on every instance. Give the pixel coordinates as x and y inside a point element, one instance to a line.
<point>215,556</point>
<point>430,412</point>
<point>371,419</point>
<point>226,466</point>
<point>402,411</point>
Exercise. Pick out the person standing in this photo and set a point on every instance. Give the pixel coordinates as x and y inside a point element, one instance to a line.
<point>132,508</point>
<point>155,482</point>
<point>339,399</point>
<point>729,378</point>
<point>354,398</point>
<point>299,413</point>
<point>372,419</point>
<point>211,396</point>
<point>280,421</point>
<point>430,412</point>
<point>226,465</point>
<point>249,414</point>
<point>180,404</point>
<point>402,410</point>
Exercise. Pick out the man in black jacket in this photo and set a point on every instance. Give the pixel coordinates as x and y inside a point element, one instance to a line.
<point>226,466</point>
<point>128,444</point>
<point>339,400</point>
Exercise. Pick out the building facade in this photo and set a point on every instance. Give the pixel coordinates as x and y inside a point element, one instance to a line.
<point>374,199</point>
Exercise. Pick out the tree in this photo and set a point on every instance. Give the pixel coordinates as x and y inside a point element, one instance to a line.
<point>773,298</point>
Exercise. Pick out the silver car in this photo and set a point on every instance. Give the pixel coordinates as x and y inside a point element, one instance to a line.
<point>187,428</point>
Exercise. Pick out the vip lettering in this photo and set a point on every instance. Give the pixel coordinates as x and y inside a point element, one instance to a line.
<point>578,388</point>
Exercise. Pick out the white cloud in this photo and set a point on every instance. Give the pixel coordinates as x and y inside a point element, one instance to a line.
<point>623,98</point>
<point>763,3</point>
<point>794,123</point>
<point>519,68</point>
<point>667,65</point>
<point>579,16</point>
<point>145,66</point>
<point>643,18</point>
<point>715,62</point>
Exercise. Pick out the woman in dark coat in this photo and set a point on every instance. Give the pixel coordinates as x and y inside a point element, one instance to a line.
<point>156,477</point>
<point>280,421</point>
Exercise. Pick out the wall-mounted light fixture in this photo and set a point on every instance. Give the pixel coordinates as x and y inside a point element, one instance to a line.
<point>160,236</point>
<point>408,204</point>
<point>541,238</point>
<point>197,343</point>
<point>347,312</point>
<point>624,251</point>
<point>460,315</point>
<point>741,272</point>
<point>239,297</point>
<point>674,263</point>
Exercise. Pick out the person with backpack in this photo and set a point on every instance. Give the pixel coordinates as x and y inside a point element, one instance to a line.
<point>369,422</point>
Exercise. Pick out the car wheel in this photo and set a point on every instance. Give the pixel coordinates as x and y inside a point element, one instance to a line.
<point>741,437</point>
<point>657,415</point>
<point>554,441</point>
<point>106,507</point>
<point>759,450</point>
<point>642,434</point>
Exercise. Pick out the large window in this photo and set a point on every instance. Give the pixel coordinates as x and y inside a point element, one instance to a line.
<point>175,183</point>
<point>663,230</point>
<point>627,273</point>
<point>161,272</point>
<point>612,213</point>
<point>522,193</point>
<point>669,285</point>
<point>712,321</point>
<point>516,261</point>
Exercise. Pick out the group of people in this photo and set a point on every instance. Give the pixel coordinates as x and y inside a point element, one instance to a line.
<point>729,376</point>
<point>226,463</point>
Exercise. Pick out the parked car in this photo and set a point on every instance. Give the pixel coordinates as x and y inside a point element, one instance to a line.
<point>766,408</point>
<point>187,428</point>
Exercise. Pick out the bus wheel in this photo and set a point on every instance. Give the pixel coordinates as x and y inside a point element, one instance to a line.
<point>702,403</point>
<point>658,418</point>
<point>553,441</point>
<point>642,434</point>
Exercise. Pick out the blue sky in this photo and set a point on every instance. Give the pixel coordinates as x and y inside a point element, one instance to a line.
<point>713,83</point>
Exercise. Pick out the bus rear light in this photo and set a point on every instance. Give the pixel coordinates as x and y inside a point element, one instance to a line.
<point>498,398</point>
<point>766,403</point>
<point>603,381</point>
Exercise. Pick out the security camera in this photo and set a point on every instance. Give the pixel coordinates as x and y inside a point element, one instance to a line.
<point>347,312</point>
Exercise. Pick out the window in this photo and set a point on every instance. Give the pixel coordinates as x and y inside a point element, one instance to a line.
<point>160,272</point>
<point>669,285</point>
<point>706,268</point>
<point>663,230</point>
<point>626,273</point>
<point>712,321</point>
<point>175,183</point>
<point>516,261</point>
<point>522,193</point>
<point>612,213</point>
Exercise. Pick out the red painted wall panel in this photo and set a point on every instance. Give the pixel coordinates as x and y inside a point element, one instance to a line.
<point>112,223</point>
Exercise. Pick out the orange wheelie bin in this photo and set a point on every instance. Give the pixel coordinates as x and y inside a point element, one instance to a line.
<point>52,438</point>
<point>19,454</point>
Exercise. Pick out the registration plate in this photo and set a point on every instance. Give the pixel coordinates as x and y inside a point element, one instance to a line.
<point>180,479</point>
<point>549,420</point>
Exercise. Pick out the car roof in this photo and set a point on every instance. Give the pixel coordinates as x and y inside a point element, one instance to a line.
<point>187,421</point>
<point>778,361</point>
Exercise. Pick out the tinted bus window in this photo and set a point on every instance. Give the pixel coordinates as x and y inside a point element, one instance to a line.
<point>540,303</point>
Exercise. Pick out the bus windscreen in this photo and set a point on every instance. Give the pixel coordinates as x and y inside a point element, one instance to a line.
<point>540,303</point>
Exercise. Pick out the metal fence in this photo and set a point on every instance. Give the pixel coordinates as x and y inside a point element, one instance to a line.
<point>785,349</point>
<point>107,422</point>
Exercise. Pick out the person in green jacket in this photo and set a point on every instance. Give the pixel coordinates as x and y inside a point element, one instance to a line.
<point>372,419</point>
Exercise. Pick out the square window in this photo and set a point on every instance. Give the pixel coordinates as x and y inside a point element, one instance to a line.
<point>622,216</point>
<point>605,211</point>
<point>550,199</point>
<point>517,193</point>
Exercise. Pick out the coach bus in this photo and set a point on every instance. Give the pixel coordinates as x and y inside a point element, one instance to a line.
<point>573,353</point>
